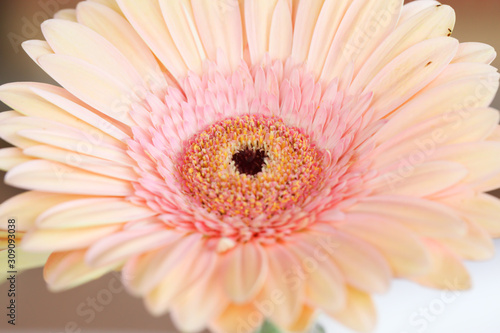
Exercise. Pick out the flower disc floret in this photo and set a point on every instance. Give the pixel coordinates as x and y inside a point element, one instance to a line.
<point>214,161</point>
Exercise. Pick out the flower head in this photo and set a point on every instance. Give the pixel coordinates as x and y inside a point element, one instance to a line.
<point>243,160</point>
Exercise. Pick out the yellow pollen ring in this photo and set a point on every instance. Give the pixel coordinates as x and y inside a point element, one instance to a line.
<point>291,169</point>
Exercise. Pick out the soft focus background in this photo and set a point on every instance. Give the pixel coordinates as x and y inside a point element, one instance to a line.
<point>102,306</point>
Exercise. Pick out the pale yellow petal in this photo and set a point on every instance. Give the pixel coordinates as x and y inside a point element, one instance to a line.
<point>47,131</point>
<point>414,8</point>
<point>325,283</point>
<point>94,86</point>
<point>245,271</point>
<point>145,272</point>
<point>495,135</point>
<point>404,251</point>
<point>118,31</point>
<point>11,122</point>
<point>280,38</point>
<point>362,264</point>
<point>447,271</point>
<point>426,24</point>
<point>220,28</point>
<point>483,209</point>
<point>27,206</point>
<point>281,287</point>
<point>421,180</point>
<point>36,49</point>
<point>91,212</point>
<point>359,314</point>
<point>258,18</point>
<point>54,103</point>
<point>359,34</point>
<point>186,274</point>
<point>326,27</point>
<point>11,157</point>
<point>475,52</point>
<point>418,143</point>
<point>109,3</point>
<point>304,27</point>
<point>48,240</point>
<point>66,270</point>
<point>462,70</point>
<point>20,97</point>
<point>127,243</point>
<point>179,17</point>
<point>454,101</point>
<point>23,261</point>
<point>66,14</point>
<point>147,19</point>
<point>206,298</point>
<point>476,244</point>
<point>82,161</point>
<point>54,177</point>
<point>410,72</point>
<point>425,217</point>
<point>238,318</point>
<point>66,137</point>
<point>480,159</point>
<point>305,321</point>
<point>92,48</point>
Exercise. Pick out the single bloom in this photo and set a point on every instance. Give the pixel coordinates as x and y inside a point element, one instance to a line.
<point>256,159</point>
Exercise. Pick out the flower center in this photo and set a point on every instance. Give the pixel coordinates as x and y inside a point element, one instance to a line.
<point>250,161</point>
<point>249,166</point>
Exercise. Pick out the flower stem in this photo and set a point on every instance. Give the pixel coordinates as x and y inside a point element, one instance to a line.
<point>268,327</point>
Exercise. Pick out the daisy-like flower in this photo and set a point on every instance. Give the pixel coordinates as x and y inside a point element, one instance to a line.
<point>255,159</point>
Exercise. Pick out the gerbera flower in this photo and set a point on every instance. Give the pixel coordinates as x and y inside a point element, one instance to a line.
<point>244,160</point>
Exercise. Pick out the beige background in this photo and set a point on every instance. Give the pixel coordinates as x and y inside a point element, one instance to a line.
<point>19,19</point>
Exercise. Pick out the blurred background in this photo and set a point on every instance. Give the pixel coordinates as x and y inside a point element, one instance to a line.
<point>406,309</point>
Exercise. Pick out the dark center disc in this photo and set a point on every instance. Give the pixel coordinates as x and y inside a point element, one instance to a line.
<point>249,161</point>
